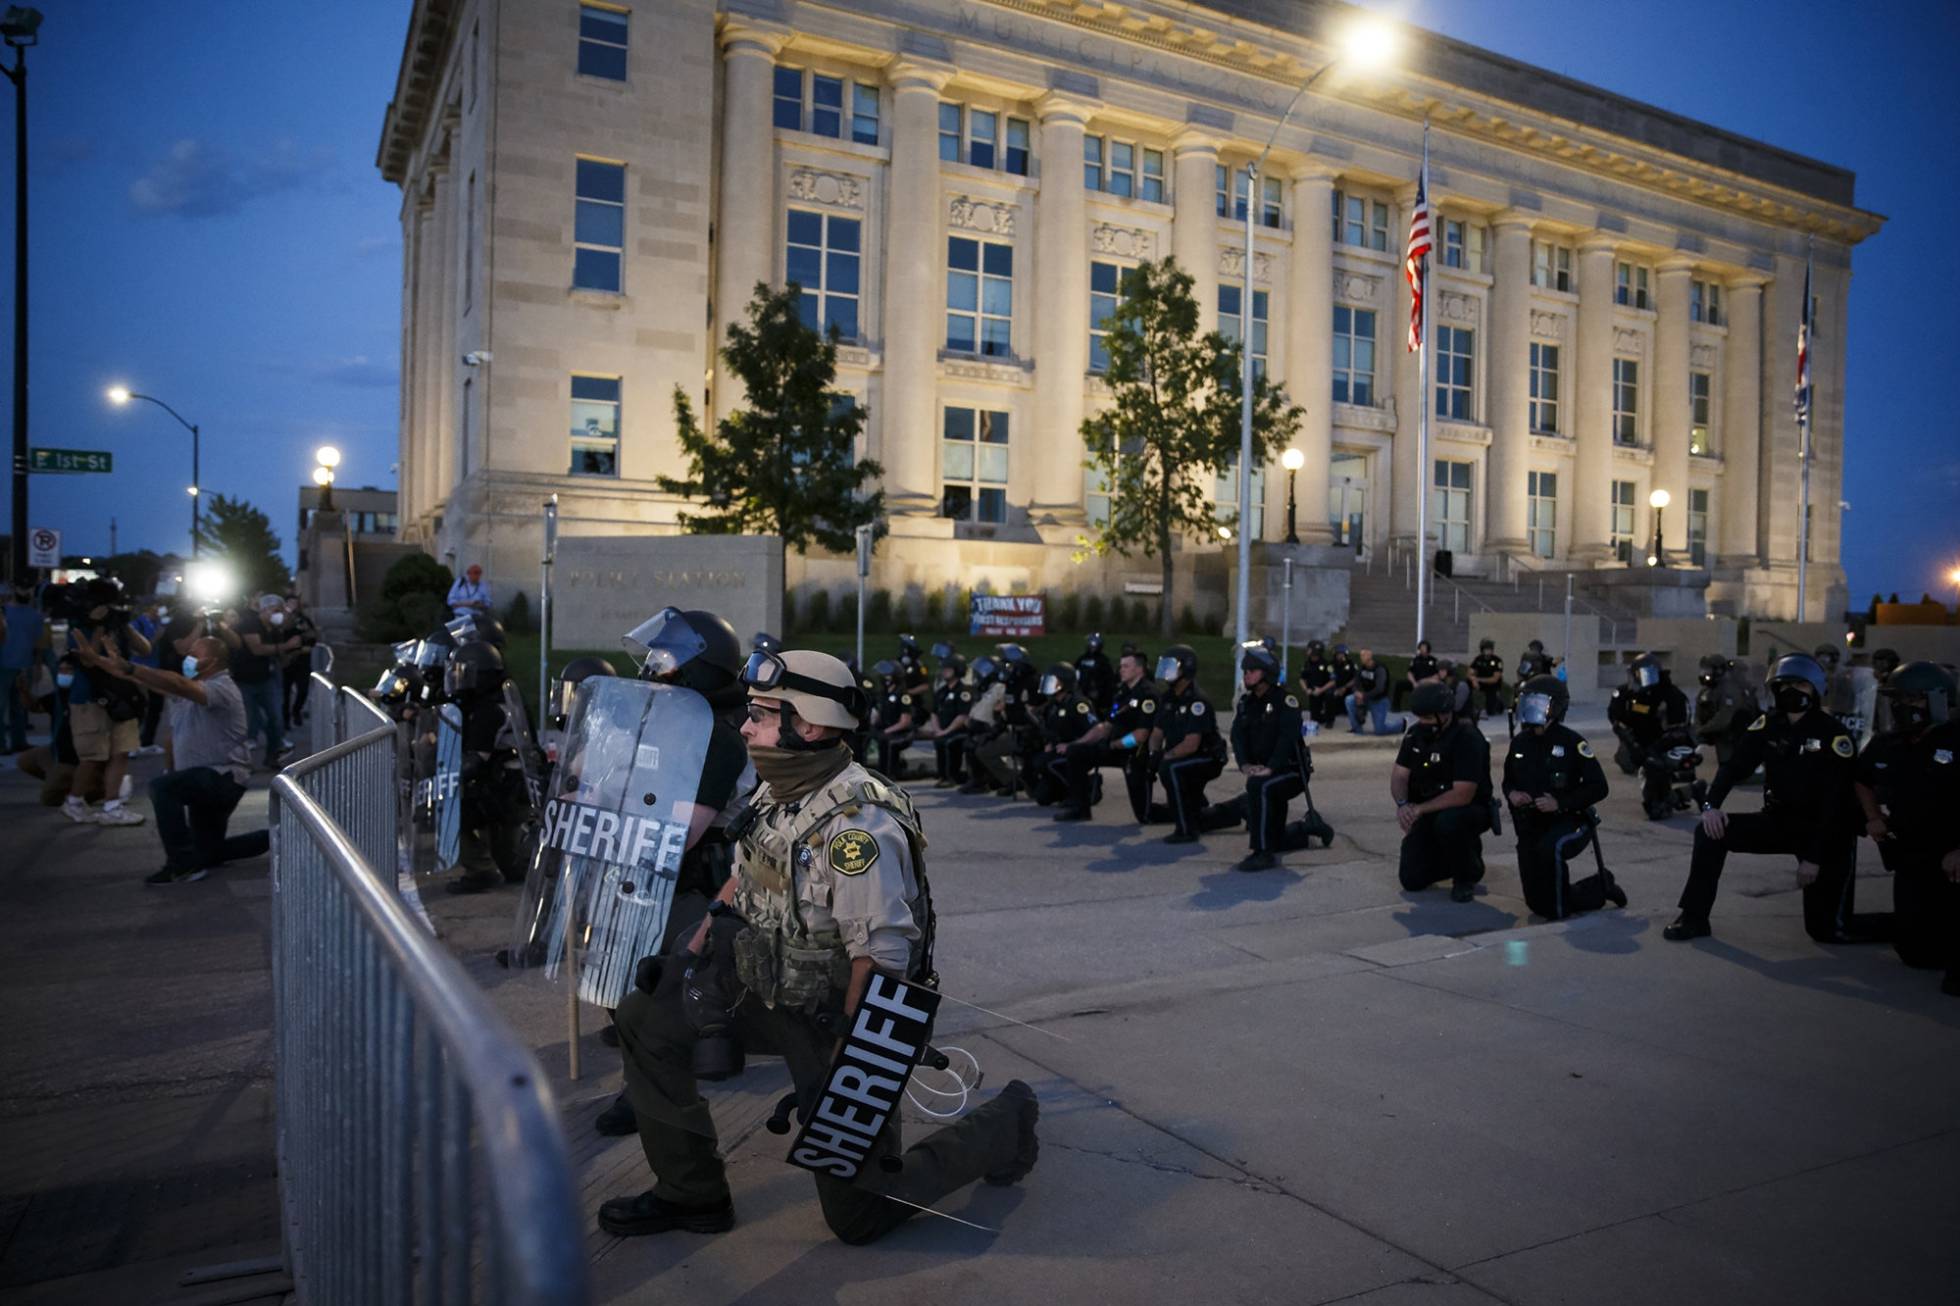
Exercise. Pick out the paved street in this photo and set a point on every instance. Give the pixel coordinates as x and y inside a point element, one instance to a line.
<point>1301,1086</point>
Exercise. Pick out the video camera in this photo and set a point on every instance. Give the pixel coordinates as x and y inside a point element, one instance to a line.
<point>88,606</point>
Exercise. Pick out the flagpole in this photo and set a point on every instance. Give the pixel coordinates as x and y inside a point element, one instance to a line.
<point>1804,407</point>
<point>1422,417</point>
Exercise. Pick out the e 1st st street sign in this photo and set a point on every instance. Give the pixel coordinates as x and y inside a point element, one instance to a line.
<point>69,460</point>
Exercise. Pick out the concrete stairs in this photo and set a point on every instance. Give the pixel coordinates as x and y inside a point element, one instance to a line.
<point>1382,608</point>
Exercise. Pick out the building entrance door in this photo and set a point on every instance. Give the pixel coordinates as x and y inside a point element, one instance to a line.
<point>1347,501</point>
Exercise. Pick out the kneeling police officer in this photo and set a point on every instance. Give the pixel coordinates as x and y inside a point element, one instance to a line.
<point>1909,787</point>
<point>1441,787</point>
<point>1188,741</point>
<point>1552,781</point>
<point>829,887</point>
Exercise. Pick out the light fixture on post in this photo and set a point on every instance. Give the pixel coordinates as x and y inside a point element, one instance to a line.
<point>325,459</point>
<point>1292,460</point>
<point>120,395</point>
<point>1659,499</point>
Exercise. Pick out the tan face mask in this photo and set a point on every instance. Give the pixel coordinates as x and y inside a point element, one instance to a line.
<point>792,773</point>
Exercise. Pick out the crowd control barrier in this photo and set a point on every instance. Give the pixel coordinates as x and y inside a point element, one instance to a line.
<point>420,1157</point>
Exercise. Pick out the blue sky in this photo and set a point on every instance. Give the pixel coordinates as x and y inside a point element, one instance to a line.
<point>208,226</point>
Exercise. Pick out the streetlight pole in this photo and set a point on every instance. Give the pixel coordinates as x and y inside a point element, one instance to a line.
<point>18,27</point>
<point>1292,460</point>
<point>120,395</point>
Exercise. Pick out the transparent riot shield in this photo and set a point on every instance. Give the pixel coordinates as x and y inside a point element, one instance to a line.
<point>620,814</point>
<point>1860,702</point>
<point>448,785</point>
<point>418,832</point>
<point>516,736</point>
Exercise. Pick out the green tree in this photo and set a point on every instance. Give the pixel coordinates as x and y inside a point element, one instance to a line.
<point>783,466</point>
<point>232,531</point>
<point>1174,423</point>
<point>410,602</point>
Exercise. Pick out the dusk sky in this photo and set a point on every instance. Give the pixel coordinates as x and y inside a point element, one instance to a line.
<point>208,226</point>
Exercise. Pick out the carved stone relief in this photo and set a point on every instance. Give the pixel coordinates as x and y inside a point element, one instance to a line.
<point>1458,308</point>
<point>1549,325</point>
<point>1124,242</point>
<point>981,215</point>
<point>840,190</point>
<point>1231,264</point>
<point>1356,289</point>
<point>1628,342</point>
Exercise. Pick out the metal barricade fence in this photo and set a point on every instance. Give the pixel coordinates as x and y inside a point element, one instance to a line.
<point>323,721</point>
<point>420,1157</point>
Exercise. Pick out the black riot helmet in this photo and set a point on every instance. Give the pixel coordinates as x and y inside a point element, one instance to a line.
<point>1713,667</point>
<point>1646,672</point>
<point>1258,656</point>
<point>474,668</point>
<point>1486,646</point>
<point>1094,644</point>
<point>1340,650</point>
<point>565,688</point>
<point>1796,682</point>
<point>1432,698</point>
<point>475,626</point>
<point>695,649</point>
<point>985,669</point>
<point>1178,662</point>
<point>431,659</point>
<point>1915,681</point>
<point>942,650</point>
<point>1535,646</point>
<point>1827,656</point>
<point>1011,653</point>
<point>909,652</point>
<point>1542,701</point>
<point>392,688</point>
<point>886,670</point>
<point>1059,679</point>
<point>1316,651</point>
<point>1885,661</point>
<point>954,663</point>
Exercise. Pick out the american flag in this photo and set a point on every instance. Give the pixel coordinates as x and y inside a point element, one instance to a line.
<point>1803,350</point>
<point>1419,246</point>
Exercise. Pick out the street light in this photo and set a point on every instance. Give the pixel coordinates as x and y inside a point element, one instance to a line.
<point>19,27</point>
<point>120,395</point>
<point>1363,42</point>
<point>325,459</point>
<point>1659,499</point>
<point>1292,460</point>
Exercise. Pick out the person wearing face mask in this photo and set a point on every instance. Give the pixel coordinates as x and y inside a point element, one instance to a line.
<point>210,760</point>
<point>829,891</point>
<point>55,764</point>
<point>1552,781</point>
<point>1808,811</point>
<point>23,647</point>
<point>1441,786</point>
<point>256,667</point>
<point>1908,785</point>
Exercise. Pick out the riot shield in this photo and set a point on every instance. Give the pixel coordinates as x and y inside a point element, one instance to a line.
<point>448,785</point>
<point>516,736</point>
<point>619,817</point>
<point>418,772</point>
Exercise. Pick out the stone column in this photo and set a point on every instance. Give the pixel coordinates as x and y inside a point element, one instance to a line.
<point>1508,366</point>
<point>414,494</point>
<point>1194,234</point>
<point>1060,286</point>
<point>1742,415</point>
<point>445,385</point>
<point>1671,415</point>
<point>1407,479</point>
<point>745,201</point>
<point>1780,491</point>
<point>914,328</point>
<point>1592,393</point>
<point>1309,359</point>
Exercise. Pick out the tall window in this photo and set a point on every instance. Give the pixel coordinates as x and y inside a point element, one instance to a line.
<point>1095,496</point>
<point>1621,536</point>
<point>1705,302</point>
<point>1701,387</point>
<point>599,231</point>
<point>1544,388</point>
<point>822,258</point>
<point>1231,184</point>
<point>1105,280</point>
<point>837,107</point>
<point>1455,359</point>
<point>1626,401</point>
<point>1226,495</point>
<point>1698,527</point>
<point>602,42</point>
<point>1541,512</point>
<point>595,426</point>
<point>983,138</point>
<point>979,296</point>
<point>1463,245</point>
<point>1630,286</point>
<point>973,466</point>
<point>1360,221</point>
<point>1231,325</point>
<point>1551,266</point>
<point>1450,500</point>
<point>1354,356</point>
<point>1122,168</point>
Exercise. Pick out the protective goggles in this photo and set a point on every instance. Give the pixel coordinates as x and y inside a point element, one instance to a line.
<point>765,673</point>
<point>664,643</point>
<point>1535,710</point>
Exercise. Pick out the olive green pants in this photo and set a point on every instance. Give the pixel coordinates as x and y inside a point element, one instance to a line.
<point>678,1132</point>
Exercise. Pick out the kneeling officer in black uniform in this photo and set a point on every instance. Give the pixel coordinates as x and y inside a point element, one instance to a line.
<point>1909,786</point>
<point>1551,783</point>
<point>1441,787</point>
<point>1066,715</point>
<point>829,887</point>
<point>1188,741</point>
<point>1267,746</point>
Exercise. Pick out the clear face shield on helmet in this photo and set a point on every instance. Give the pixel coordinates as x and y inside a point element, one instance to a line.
<point>462,629</point>
<point>1168,668</point>
<point>1646,675</point>
<point>404,652</point>
<point>1535,710</point>
<point>430,653</point>
<point>1051,684</point>
<point>663,643</point>
<point>392,686</point>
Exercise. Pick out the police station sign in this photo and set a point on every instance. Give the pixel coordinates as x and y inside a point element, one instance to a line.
<point>1012,615</point>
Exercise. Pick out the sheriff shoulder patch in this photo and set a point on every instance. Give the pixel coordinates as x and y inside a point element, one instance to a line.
<point>1082,708</point>
<point>1150,705</point>
<point>1842,746</point>
<point>1759,723</point>
<point>1197,709</point>
<point>1292,701</point>
<point>1585,749</point>
<point>966,696</point>
<point>852,852</point>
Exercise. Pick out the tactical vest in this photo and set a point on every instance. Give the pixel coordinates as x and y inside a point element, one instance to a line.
<point>782,958</point>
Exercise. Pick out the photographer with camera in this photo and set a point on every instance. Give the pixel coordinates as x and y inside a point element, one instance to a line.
<point>299,663</point>
<point>104,713</point>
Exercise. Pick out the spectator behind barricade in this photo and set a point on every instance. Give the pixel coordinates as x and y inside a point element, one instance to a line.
<point>104,714</point>
<point>23,647</point>
<point>470,596</point>
<point>149,623</point>
<point>54,764</point>
<point>255,667</point>
<point>299,663</point>
<point>210,761</point>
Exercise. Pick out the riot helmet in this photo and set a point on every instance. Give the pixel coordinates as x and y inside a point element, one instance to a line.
<point>1340,650</point>
<point>953,662</point>
<point>1258,656</point>
<point>1796,682</point>
<point>1011,652</point>
<point>1059,679</point>
<point>1921,694</point>
<point>816,686</point>
<point>392,688</point>
<point>1486,646</point>
<point>1885,661</point>
<point>1542,701</point>
<point>474,668</point>
<point>985,669</point>
<point>695,649</point>
<point>476,626</point>
<point>942,650</point>
<point>1535,646</point>
<point>433,650</point>
<point>886,670</point>
<point>1645,672</point>
<point>565,688</point>
<point>1713,667</point>
<point>764,642</point>
<point>1094,644</point>
<point>1316,651</point>
<point>1827,656</point>
<point>1432,698</point>
<point>1178,662</point>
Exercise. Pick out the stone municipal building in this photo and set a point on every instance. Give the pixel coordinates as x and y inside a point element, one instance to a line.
<point>591,191</point>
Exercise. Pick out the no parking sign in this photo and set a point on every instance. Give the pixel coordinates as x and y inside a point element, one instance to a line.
<point>43,547</point>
